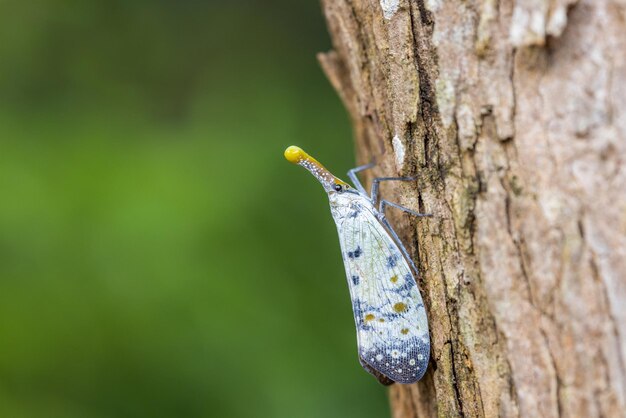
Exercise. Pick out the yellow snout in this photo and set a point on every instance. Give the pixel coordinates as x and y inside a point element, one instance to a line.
<point>295,154</point>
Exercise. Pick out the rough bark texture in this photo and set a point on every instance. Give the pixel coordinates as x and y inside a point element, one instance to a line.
<point>512,114</point>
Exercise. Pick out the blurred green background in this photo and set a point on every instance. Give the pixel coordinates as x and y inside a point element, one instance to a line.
<point>158,256</point>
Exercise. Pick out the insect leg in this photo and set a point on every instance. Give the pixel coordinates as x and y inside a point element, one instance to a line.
<point>352,175</point>
<point>376,184</point>
<point>385,203</point>
<point>394,235</point>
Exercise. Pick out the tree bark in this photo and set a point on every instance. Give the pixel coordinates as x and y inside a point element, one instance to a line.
<point>512,115</point>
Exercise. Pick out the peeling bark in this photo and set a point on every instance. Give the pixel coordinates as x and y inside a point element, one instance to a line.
<point>511,114</point>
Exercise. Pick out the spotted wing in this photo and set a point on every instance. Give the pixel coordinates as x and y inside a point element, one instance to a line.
<point>392,328</point>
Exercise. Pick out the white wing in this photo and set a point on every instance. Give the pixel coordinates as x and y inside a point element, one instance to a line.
<point>392,328</point>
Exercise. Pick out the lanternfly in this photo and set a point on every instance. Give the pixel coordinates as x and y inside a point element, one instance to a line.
<point>392,328</point>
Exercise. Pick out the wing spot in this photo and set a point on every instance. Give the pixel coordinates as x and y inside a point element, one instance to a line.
<point>356,253</point>
<point>404,331</point>
<point>394,279</point>
<point>355,280</point>
<point>399,307</point>
<point>369,317</point>
<point>381,320</point>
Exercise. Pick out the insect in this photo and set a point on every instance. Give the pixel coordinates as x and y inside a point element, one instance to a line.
<point>392,327</point>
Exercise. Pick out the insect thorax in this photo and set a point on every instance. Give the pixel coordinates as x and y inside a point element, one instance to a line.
<point>347,205</point>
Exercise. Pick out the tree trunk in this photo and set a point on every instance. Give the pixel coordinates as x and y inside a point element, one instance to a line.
<point>512,114</point>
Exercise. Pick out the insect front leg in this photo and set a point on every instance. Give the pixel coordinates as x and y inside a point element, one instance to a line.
<point>385,203</point>
<point>394,235</point>
<point>352,175</point>
<point>376,185</point>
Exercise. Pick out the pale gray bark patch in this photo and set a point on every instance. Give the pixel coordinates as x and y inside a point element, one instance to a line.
<point>390,7</point>
<point>534,20</point>
<point>399,151</point>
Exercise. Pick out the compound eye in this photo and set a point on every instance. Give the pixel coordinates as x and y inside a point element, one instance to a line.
<point>338,187</point>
